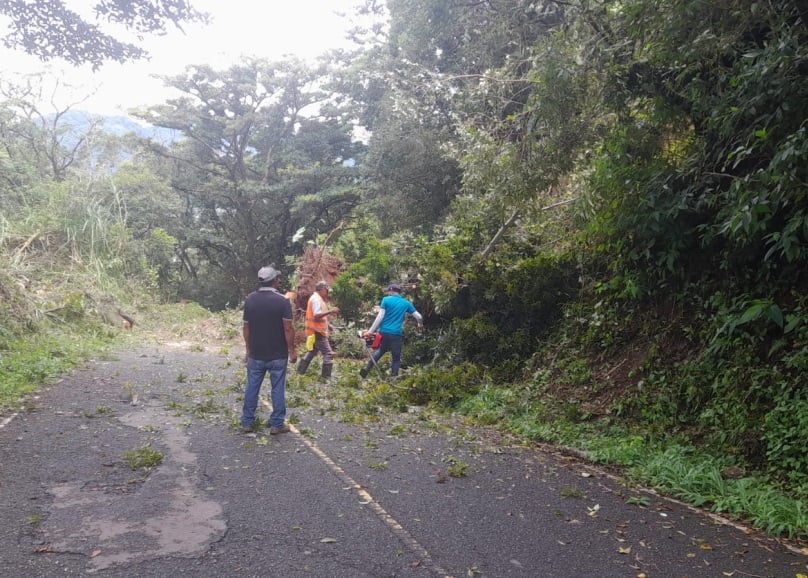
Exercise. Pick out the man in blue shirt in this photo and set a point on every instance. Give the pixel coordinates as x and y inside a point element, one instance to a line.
<point>388,322</point>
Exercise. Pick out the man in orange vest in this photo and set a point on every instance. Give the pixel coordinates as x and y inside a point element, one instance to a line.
<point>317,324</point>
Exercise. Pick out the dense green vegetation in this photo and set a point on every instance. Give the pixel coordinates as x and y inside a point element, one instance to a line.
<point>600,207</point>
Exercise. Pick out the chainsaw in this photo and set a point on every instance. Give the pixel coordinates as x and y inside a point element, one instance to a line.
<point>372,340</point>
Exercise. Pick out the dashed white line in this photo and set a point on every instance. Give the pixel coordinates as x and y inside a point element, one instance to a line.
<point>397,529</point>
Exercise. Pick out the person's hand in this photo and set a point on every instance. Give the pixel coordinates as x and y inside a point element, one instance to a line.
<point>334,311</point>
<point>293,356</point>
<point>419,328</point>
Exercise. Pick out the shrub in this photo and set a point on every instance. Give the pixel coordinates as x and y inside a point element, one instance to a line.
<point>785,431</point>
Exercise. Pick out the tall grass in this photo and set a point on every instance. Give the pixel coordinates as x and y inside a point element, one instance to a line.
<point>697,479</point>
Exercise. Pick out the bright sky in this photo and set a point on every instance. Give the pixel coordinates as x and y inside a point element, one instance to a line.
<point>264,28</point>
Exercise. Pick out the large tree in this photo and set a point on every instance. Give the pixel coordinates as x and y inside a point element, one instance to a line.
<point>265,159</point>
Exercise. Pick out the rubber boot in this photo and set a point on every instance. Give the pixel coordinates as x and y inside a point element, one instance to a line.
<point>326,375</point>
<point>303,365</point>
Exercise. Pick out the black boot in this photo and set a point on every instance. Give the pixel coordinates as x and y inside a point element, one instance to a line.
<point>303,365</point>
<point>326,375</point>
<point>364,372</point>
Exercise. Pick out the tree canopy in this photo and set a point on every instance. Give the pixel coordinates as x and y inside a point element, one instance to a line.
<point>253,169</point>
<point>51,29</point>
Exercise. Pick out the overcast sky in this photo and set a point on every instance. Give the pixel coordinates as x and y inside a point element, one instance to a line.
<point>265,28</point>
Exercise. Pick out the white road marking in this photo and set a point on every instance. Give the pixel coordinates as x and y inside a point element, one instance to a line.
<point>397,529</point>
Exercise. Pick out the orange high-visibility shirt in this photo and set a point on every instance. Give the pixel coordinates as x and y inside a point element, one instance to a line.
<point>315,325</point>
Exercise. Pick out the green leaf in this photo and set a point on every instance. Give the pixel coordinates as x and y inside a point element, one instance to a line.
<point>775,314</point>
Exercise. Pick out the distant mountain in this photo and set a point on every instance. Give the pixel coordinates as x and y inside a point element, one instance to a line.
<point>79,121</point>
<point>121,125</point>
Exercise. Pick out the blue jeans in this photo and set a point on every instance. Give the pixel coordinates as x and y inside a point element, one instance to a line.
<point>256,369</point>
<point>393,344</point>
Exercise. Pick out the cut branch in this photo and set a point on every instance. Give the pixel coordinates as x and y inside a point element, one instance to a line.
<point>499,234</point>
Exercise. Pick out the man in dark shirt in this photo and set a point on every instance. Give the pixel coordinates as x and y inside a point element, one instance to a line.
<point>269,340</point>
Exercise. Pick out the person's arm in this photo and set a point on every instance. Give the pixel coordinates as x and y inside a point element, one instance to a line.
<point>377,321</point>
<point>319,309</point>
<point>326,313</point>
<point>289,333</point>
<point>419,319</point>
<point>245,332</point>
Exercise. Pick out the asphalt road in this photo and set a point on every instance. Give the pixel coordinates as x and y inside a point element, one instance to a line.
<point>409,494</point>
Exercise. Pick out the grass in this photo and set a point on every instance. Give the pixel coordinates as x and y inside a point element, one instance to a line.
<point>696,479</point>
<point>143,458</point>
<point>569,492</point>
<point>208,408</point>
<point>42,356</point>
<point>668,464</point>
<point>457,468</point>
<point>99,411</point>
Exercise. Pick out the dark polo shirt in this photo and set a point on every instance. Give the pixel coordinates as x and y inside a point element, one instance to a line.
<point>264,312</point>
